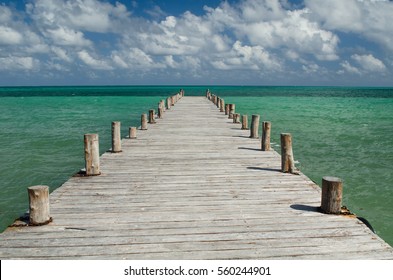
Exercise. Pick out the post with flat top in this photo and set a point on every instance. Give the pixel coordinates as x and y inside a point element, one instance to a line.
<point>287,159</point>
<point>236,118</point>
<point>151,116</point>
<point>132,132</point>
<point>231,111</point>
<point>92,154</point>
<point>244,122</point>
<point>266,128</point>
<point>144,122</point>
<point>38,205</point>
<point>116,137</point>
<point>222,105</point>
<point>332,194</point>
<point>254,126</point>
<point>226,109</point>
<point>168,103</point>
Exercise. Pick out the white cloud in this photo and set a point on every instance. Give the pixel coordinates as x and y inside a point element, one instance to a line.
<point>349,68</point>
<point>18,63</point>
<point>92,62</point>
<point>61,53</point>
<point>67,37</point>
<point>84,15</point>
<point>270,25</point>
<point>245,57</point>
<point>369,18</point>
<point>369,63</point>
<point>9,36</point>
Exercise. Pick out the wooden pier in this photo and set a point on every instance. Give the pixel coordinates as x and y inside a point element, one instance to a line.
<point>194,185</point>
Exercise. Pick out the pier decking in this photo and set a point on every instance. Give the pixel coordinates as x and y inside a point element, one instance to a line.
<point>192,186</point>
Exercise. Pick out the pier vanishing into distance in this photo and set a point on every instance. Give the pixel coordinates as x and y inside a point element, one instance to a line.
<point>190,183</point>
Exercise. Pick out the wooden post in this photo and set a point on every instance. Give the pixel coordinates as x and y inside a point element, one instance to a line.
<point>287,159</point>
<point>226,109</point>
<point>254,126</point>
<point>38,205</point>
<point>236,118</point>
<point>92,154</point>
<point>218,102</point>
<point>160,111</point>
<point>244,122</point>
<point>222,105</point>
<point>144,122</point>
<point>132,132</point>
<point>151,116</point>
<point>172,100</point>
<point>116,137</point>
<point>332,194</point>
<point>168,103</point>
<point>231,111</point>
<point>266,128</point>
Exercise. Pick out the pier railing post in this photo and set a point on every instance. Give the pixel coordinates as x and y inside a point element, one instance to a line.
<point>254,126</point>
<point>266,128</point>
<point>160,111</point>
<point>38,205</point>
<point>144,122</point>
<point>244,122</point>
<point>92,154</point>
<point>231,111</point>
<point>226,109</point>
<point>222,105</point>
<point>151,116</point>
<point>287,159</point>
<point>116,137</point>
<point>168,103</point>
<point>132,132</point>
<point>332,188</point>
<point>236,118</point>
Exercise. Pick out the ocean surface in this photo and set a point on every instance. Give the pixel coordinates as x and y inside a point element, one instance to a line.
<point>342,132</point>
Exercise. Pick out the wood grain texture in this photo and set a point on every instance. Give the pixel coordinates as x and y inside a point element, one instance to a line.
<point>192,186</point>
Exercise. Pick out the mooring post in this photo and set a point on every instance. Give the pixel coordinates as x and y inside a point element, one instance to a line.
<point>172,100</point>
<point>218,102</point>
<point>92,154</point>
<point>160,111</point>
<point>168,103</point>
<point>144,122</point>
<point>222,105</point>
<point>254,126</point>
<point>244,122</point>
<point>231,111</point>
<point>132,132</point>
<point>266,128</point>
<point>38,205</point>
<point>116,137</point>
<point>151,116</point>
<point>287,159</point>
<point>236,118</point>
<point>226,109</point>
<point>332,194</point>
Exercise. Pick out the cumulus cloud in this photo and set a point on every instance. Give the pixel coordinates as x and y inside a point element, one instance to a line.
<point>9,36</point>
<point>369,18</point>
<point>270,25</point>
<point>84,15</point>
<point>246,57</point>
<point>93,62</point>
<point>369,63</point>
<point>349,68</point>
<point>18,63</point>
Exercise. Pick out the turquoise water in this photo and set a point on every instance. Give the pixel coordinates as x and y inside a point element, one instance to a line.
<point>343,132</point>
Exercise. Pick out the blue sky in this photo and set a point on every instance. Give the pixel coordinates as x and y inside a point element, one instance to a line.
<point>191,42</point>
